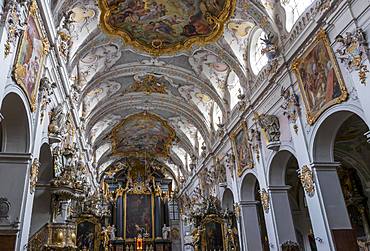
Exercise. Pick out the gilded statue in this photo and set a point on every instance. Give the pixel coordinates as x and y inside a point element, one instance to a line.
<point>306,177</point>
<point>105,238</point>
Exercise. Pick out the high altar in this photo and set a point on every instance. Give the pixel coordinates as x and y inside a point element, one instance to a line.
<point>138,194</point>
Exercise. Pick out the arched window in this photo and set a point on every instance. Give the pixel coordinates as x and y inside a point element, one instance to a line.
<point>257,59</point>
<point>294,9</point>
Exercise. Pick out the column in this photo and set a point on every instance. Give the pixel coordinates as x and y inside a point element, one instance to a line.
<point>319,222</point>
<point>251,229</point>
<point>158,220</point>
<point>15,167</point>
<point>329,191</point>
<point>281,214</point>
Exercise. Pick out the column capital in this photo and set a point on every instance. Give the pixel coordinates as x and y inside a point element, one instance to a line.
<point>245,203</point>
<point>278,188</point>
<point>325,166</point>
<point>16,158</point>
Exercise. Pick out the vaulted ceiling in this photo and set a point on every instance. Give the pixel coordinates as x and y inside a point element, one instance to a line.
<point>191,88</point>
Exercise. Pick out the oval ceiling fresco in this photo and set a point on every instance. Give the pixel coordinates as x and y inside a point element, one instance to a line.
<point>165,26</point>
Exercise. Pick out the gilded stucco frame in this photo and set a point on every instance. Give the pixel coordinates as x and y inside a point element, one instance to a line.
<point>219,21</point>
<point>97,230</point>
<point>18,69</point>
<point>115,139</point>
<point>321,36</point>
<point>233,135</point>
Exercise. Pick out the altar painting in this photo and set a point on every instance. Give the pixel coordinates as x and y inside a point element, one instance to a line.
<point>214,236</point>
<point>88,232</point>
<point>139,216</point>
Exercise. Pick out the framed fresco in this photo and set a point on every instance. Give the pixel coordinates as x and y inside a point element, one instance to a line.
<point>242,149</point>
<point>159,27</point>
<point>319,77</point>
<point>141,135</point>
<point>31,55</point>
<point>138,221</point>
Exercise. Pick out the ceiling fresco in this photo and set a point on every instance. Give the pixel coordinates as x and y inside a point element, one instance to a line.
<point>182,63</point>
<point>158,26</point>
<point>142,134</point>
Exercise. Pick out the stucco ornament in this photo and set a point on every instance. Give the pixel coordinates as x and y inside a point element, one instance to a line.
<point>58,119</point>
<point>306,177</point>
<point>16,22</point>
<point>353,51</point>
<point>290,106</point>
<point>34,172</point>
<point>271,129</point>
<point>265,200</point>
<point>46,90</point>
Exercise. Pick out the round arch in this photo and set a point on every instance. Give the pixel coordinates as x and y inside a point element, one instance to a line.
<point>248,187</point>
<point>324,133</point>
<point>278,166</point>
<point>15,126</point>
<point>228,200</point>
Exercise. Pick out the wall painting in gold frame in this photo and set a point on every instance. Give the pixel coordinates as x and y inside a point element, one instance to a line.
<point>31,54</point>
<point>319,77</point>
<point>242,149</point>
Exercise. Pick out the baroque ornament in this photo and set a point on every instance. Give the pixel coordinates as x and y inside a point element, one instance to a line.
<point>306,177</point>
<point>15,22</point>
<point>271,129</point>
<point>34,172</point>
<point>148,84</point>
<point>159,27</point>
<point>265,200</point>
<point>290,106</point>
<point>353,51</point>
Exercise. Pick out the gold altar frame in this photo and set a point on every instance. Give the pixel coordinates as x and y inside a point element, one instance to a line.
<point>215,219</point>
<point>97,230</point>
<point>124,198</point>
<point>242,127</point>
<point>311,115</point>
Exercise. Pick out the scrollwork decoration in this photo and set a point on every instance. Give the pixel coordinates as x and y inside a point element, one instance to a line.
<point>34,172</point>
<point>306,177</point>
<point>265,200</point>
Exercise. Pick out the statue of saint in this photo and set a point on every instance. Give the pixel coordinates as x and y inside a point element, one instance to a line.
<point>165,231</point>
